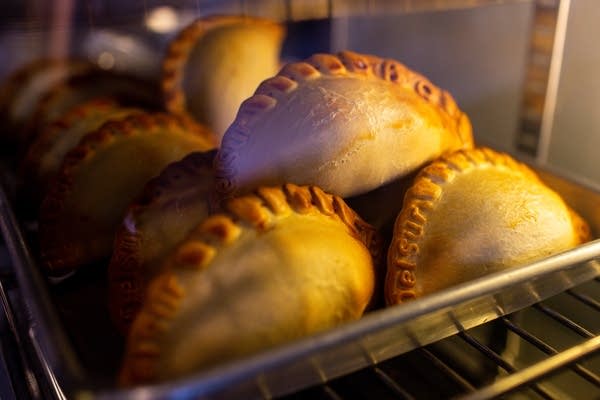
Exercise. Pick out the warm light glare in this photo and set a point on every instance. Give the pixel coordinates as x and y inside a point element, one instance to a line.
<point>106,60</point>
<point>162,19</point>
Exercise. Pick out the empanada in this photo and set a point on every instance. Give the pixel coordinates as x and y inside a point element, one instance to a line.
<point>472,213</point>
<point>24,88</point>
<point>169,207</point>
<point>347,123</point>
<point>282,263</point>
<point>101,176</point>
<point>45,155</point>
<point>217,62</point>
<point>129,89</point>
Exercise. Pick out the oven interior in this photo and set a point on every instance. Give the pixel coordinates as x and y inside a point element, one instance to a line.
<point>514,66</point>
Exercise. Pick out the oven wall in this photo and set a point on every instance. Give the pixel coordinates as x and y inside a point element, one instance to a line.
<point>574,127</point>
<point>480,55</point>
<point>477,54</point>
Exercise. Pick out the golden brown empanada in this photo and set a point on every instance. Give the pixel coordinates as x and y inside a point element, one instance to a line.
<point>169,207</point>
<point>46,153</point>
<point>472,213</point>
<point>101,177</point>
<point>128,89</point>
<point>347,123</point>
<point>283,263</point>
<point>217,62</point>
<point>25,87</point>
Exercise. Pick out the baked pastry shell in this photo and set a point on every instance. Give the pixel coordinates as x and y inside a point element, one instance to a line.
<point>472,213</point>
<point>276,250</point>
<point>101,176</point>
<point>215,63</point>
<point>348,123</point>
<point>168,208</point>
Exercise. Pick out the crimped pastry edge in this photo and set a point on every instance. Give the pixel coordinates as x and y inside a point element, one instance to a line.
<point>58,257</point>
<point>126,274</point>
<point>252,211</point>
<point>144,95</point>
<point>180,48</point>
<point>30,164</point>
<point>420,200</point>
<point>22,75</point>
<point>345,63</point>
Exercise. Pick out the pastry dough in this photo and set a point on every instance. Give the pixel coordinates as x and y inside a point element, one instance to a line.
<point>217,62</point>
<point>347,123</point>
<point>101,176</point>
<point>168,208</point>
<point>472,213</point>
<point>281,264</point>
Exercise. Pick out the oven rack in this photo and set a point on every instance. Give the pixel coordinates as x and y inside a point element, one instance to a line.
<point>474,364</point>
<point>465,367</point>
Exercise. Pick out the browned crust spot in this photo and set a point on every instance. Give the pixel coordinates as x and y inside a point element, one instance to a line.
<point>258,211</point>
<point>345,63</point>
<point>582,228</point>
<point>58,256</point>
<point>180,48</point>
<point>421,199</point>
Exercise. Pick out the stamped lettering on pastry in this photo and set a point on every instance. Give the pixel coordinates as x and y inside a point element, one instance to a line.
<point>280,264</point>
<point>472,213</point>
<point>348,123</point>
<point>217,62</point>
<point>169,207</point>
<point>101,176</point>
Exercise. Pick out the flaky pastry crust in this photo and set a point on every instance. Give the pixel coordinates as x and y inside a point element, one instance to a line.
<point>128,89</point>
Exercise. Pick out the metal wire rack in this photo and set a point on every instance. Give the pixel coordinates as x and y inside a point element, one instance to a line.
<point>550,350</point>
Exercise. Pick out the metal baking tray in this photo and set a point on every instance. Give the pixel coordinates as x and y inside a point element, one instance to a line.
<point>66,342</point>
